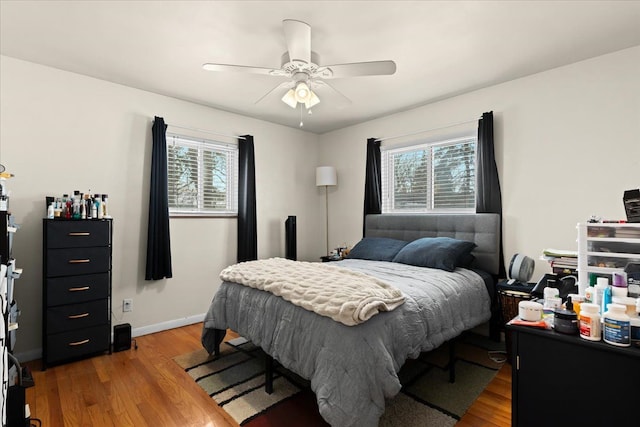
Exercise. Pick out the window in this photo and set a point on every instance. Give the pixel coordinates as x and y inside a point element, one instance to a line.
<point>427,177</point>
<point>202,177</point>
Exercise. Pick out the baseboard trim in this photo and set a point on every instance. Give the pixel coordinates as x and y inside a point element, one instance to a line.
<point>163,326</point>
<point>29,355</point>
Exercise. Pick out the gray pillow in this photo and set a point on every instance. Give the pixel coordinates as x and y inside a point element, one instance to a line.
<point>443,253</point>
<point>376,249</point>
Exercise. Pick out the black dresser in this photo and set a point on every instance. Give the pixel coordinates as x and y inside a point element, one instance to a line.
<point>76,319</point>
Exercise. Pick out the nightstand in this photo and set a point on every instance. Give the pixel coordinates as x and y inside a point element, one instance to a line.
<point>564,380</point>
<point>509,296</point>
<point>327,258</point>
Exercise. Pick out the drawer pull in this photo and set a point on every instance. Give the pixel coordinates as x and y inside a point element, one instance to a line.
<point>77,316</point>
<point>80,233</point>
<point>80,288</point>
<point>79,261</point>
<point>79,342</point>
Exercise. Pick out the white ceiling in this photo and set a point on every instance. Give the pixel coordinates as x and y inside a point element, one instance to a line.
<point>441,48</point>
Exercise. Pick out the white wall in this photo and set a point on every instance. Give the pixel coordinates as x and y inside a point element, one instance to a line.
<point>61,131</point>
<point>567,146</point>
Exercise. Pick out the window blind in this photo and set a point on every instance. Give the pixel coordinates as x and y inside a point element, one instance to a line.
<point>202,176</point>
<point>424,177</point>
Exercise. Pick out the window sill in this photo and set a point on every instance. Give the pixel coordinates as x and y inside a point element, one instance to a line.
<point>202,215</point>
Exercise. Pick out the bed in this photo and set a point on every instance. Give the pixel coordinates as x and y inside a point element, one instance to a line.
<point>353,369</point>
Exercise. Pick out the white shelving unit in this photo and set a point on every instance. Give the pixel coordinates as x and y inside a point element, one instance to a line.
<point>606,248</point>
<point>4,362</point>
<point>14,408</point>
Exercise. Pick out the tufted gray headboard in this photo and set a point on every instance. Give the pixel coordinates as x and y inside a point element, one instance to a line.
<point>483,229</point>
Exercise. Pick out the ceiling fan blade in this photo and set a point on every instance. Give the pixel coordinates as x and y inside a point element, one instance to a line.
<point>329,94</point>
<point>283,85</point>
<point>242,69</point>
<point>298,37</point>
<point>374,68</point>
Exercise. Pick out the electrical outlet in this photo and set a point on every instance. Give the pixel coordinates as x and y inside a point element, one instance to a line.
<point>127,305</point>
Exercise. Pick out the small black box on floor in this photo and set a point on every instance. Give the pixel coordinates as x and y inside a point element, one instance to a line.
<point>122,337</point>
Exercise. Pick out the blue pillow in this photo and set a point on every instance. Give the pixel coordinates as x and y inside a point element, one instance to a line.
<point>376,249</point>
<point>444,253</point>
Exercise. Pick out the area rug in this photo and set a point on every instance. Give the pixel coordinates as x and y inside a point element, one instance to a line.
<point>235,381</point>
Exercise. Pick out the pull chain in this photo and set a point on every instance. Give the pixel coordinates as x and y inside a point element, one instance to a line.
<point>301,124</point>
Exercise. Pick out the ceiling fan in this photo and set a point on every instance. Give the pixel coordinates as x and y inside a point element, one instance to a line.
<point>302,67</point>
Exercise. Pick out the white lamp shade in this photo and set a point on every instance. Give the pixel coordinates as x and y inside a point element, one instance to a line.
<point>289,98</point>
<point>302,93</point>
<point>326,175</point>
<point>313,100</point>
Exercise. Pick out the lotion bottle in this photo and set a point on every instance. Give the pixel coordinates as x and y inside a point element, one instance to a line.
<point>606,299</point>
<point>598,295</point>
<point>589,294</point>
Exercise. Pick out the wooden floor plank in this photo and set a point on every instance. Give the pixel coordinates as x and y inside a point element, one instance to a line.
<point>144,387</point>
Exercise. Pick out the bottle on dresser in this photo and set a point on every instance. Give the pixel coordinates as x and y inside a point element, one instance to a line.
<point>98,205</point>
<point>635,326</point>
<point>616,326</point>
<point>599,290</point>
<point>78,206</point>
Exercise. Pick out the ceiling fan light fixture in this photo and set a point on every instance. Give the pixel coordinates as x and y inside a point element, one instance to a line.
<point>313,100</point>
<point>289,98</point>
<point>303,70</point>
<point>303,93</point>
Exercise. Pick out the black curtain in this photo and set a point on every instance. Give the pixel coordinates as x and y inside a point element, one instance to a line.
<point>158,242</point>
<point>247,228</point>
<point>488,196</point>
<point>373,181</point>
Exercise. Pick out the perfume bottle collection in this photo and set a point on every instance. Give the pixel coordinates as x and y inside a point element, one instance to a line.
<point>78,206</point>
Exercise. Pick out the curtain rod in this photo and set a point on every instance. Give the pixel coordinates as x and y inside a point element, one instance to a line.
<point>428,130</point>
<point>205,131</point>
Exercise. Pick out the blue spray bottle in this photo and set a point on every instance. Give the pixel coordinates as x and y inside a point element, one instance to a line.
<point>606,299</point>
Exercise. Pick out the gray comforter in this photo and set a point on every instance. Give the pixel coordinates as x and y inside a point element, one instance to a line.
<point>353,369</point>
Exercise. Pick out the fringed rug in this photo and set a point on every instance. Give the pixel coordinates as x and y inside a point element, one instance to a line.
<point>235,381</point>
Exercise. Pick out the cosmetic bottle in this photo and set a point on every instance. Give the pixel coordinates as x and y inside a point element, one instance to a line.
<point>606,299</point>
<point>619,288</point>
<point>589,294</point>
<point>634,323</point>
<point>566,320</point>
<point>105,204</point>
<point>98,203</point>
<point>598,295</point>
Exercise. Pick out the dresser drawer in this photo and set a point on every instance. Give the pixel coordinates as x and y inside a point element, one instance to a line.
<point>75,289</point>
<point>75,316</point>
<point>77,234</point>
<point>77,343</point>
<point>68,262</point>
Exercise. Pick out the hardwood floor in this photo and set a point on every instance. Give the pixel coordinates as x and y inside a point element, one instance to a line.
<point>493,406</point>
<point>144,387</point>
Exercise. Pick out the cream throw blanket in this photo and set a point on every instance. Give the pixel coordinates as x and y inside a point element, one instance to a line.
<point>346,296</point>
